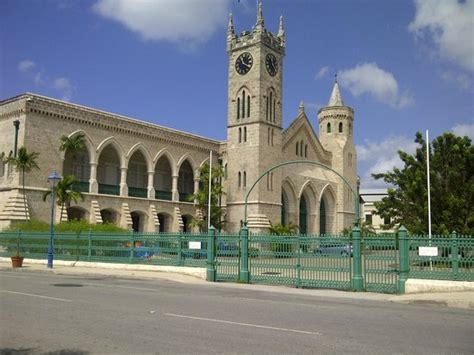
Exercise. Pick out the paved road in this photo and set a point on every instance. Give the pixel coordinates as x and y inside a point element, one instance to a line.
<point>76,314</point>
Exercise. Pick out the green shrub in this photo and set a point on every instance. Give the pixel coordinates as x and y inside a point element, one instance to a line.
<point>76,226</point>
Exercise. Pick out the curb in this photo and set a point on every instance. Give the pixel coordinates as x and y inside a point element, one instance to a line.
<point>197,272</point>
<point>413,286</point>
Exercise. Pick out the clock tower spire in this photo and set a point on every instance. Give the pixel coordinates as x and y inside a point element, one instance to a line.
<point>254,119</point>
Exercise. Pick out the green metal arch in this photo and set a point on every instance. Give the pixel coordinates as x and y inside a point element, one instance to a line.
<point>355,193</point>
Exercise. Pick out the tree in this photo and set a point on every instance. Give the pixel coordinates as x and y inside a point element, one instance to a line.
<point>201,197</point>
<point>74,144</point>
<point>452,187</point>
<point>64,193</point>
<point>24,162</point>
<point>280,229</point>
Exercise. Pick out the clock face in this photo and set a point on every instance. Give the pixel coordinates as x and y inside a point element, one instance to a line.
<point>244,63</point>
<point>272,64</point>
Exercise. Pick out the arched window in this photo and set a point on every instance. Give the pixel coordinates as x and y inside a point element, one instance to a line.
<point>268,135</point>
<point>240,179</point>
<point>245,134</point>
<point>243,104</point>
<point>248,105</point>
<point>274,109</point>
<point>266,109</point>
<point>272,136</point>
<point>306,151</point>
<point>245,179</point>
<point>271,181</point>
<point>238,107</point>
<point>240,135</point>
<point>271,100</point>
<point>297,148</point>
<point>340,127</point>
<point>329,127</point>
<point>301,148</point>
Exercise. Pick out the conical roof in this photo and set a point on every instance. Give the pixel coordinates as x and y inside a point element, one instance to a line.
<point>336,98</point>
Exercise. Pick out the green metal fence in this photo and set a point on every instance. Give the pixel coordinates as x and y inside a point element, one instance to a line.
<point>227,258</point>
<point>301,260</point>
<point>454,259</point>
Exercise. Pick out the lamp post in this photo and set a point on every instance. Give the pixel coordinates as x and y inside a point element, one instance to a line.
<point>16,123</point>
<point>53,179</point>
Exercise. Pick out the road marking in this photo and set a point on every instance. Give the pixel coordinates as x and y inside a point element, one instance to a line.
<point>242,324</point>
<point>39,296</point>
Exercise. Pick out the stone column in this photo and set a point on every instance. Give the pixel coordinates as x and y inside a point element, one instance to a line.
<point>150,187</point>
<point>174,190</point>
<point>196,187</point>
<point>123,182</point>
<point>93,184</point>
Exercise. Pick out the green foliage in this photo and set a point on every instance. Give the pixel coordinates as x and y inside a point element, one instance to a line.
<point>365,229</point>
<point>64,193</point>
<point>202,197</point>
<point>24,162</point>
<point>73,144</point>
<point>71,226</point>
<point>452,187</point>
<point>280,229</point>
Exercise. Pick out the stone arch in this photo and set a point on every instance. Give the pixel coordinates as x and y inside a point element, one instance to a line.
<point>289,212</point>
<point>110,215</point>
<point>89,144</point>
<point>77,213</point>
<point>187,219</point>
<point>191,161</point>
<point>166,222</point>
<point>328,198</point>
<point>164,152</point>
<point>78,163</point>
<point>139,220</point>
<point>187,173</point>
<point>309,192</point>
<point>116,144</point>
<point>146,154</point>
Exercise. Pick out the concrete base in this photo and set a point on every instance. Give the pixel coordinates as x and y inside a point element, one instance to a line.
<point>429,286</point>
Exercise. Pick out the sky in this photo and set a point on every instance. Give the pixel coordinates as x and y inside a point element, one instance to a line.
<point>403,65</point>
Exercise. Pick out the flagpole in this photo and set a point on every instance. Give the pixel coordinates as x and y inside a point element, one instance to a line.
<point>209,197</point>
<point>428,181</point>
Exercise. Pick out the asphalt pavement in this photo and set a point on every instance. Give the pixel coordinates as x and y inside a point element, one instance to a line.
<point>60,313</point>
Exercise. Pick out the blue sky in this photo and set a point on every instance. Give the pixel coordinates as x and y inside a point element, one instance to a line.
<point>403,65</point>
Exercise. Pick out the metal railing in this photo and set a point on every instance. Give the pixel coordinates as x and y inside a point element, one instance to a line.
<point>109,189</point>
<point>81,186</point>
<point>137,192</point>
<point>163,195</point>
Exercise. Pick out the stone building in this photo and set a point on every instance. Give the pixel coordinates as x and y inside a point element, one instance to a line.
<point>139,175</point>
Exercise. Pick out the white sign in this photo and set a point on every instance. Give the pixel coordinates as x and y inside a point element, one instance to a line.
<point>194,245</point>
<point>428,251</point>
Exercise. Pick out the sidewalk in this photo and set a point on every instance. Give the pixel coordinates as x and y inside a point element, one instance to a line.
<point>464,300</point>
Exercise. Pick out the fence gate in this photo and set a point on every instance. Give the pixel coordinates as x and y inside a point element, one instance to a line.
<point>380,263</point>
<point>227,257</point>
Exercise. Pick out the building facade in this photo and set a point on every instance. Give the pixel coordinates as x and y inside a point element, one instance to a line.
<point>140,175</point>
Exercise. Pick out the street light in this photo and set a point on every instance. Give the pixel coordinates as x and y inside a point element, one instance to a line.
<point>53,179</point>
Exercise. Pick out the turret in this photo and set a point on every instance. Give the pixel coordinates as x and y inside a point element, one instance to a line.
<point>281,31</point>
<point>260,25</point>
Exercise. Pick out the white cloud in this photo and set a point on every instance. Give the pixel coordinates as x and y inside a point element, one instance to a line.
<point>461,80</point>
<point>61,85</point>
<point>368,78</point>
<point>464,129</point>
<point>450,26</point>
<point>382,156</point>
<point>167,20</point>
<point>322,72</point>
<point>26,65</point>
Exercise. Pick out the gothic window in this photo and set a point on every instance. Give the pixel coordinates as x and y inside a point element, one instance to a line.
<point>240,135</point>
<point>271,100</point>
<point>340,127</point>
<point>272,136</point>
<point>297,149</point>
<point>243,104</point>
<point>306,151</point>
<point>245,179</point>
<point>240,179</point>
<point>271,181</point>
<point>301,148</point>
<point>274,110</point>
<point>248,105</point>
<point>268,135</point>
<point>238,107</point>
<point>245,134</point>
<point>329,127</point>
<point>266,109</point>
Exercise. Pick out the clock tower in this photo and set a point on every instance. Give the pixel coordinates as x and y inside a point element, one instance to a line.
<point>254,122</point>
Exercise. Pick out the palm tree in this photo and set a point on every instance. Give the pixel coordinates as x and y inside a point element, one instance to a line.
<point>73,144</point>
<point>64,193</point>
<point>24,162</point>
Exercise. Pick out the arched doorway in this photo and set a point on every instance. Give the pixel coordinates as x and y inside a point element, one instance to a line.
<point>163,179</point>
<point>284,209</point>
<point>187,223</point>
<point>303,216</point>
<point>109,216</point>
<point>165,222</point>
<point>185,181</point>
<point>76,213</point>
<point>108,171</point>
<point>77,163</point>
<point>322,217</point>
<point>137,177</point>
<point>138,221</point>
